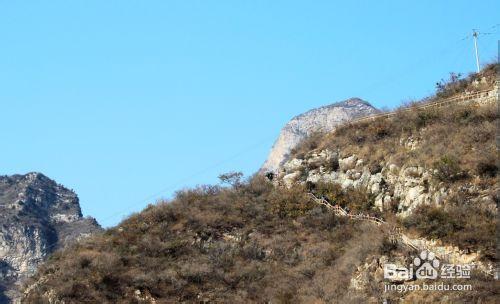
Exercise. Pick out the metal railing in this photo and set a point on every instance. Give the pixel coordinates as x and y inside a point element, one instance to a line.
<point>342,212</point>
<point>461,98</point>
<point>395,234</point>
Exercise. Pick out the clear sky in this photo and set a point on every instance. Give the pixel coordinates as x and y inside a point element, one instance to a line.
<point>127,101</point>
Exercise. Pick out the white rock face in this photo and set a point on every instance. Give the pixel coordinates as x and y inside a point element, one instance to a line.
<point>323,119</point>
<point>401,189</point>
<point>408,186</point>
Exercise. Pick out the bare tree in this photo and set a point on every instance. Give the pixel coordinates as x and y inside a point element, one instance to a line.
<point>232,178</point>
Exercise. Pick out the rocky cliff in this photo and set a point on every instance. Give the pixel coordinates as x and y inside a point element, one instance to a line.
<point>37,216</point>
<point>323,119</point>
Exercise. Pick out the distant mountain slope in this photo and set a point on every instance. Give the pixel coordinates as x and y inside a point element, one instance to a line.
<point>37,216</point>
<point>323,119</point>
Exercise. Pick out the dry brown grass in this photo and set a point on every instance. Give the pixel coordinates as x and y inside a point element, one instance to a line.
<point>254,243</point>
<point>248,243</point>
<point>473,82</point>
<point>456,142</point>
<point>463,132</point>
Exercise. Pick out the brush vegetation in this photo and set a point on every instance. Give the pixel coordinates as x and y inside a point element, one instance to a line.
<point>252,242</point>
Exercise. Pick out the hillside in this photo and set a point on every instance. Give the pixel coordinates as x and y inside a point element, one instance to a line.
<point>37,216</point>
<point>421,182</point>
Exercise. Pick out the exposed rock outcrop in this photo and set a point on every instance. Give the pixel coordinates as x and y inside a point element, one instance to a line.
<point>37,216</point>
<point>323,119</point>
<point>398,188</point>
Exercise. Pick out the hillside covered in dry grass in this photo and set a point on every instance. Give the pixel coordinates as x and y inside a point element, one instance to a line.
<point>257,241</point>
<point>251,243</point>
<point>456,143</point>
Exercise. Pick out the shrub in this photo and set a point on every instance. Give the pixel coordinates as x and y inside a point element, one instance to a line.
<point>320,219</point>
<point>388,246</point>
<point>487,165</point>
<point>467,226</point>
<point>354,199</point>
<point>378,130</point>
<point>333,164</point>
<point>447,168</point>
<point>310,143</point>
<point>433,222</point>
<point>290,202</point>
<point>253,251</point>
<point>231,178</point>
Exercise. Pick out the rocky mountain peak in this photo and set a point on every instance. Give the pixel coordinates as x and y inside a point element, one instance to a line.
<point>35,192</point>
<point>322,119</point>
<point>37,216</point>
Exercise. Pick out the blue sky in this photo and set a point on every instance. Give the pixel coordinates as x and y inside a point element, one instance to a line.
<point>127,101</point>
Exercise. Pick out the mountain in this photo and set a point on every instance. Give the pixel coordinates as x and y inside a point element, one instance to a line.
<point>323,119</point>
<point>401,208</point>
<point>37,216</point>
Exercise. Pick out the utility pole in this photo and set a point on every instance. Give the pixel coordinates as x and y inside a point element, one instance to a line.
<point>474,35</point>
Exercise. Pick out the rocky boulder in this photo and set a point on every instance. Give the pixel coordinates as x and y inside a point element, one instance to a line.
<point>323,119</point>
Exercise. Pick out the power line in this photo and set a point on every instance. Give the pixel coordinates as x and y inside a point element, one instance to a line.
<point>184,180</point>
<point>179,182</point>
<point>425,61</point>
